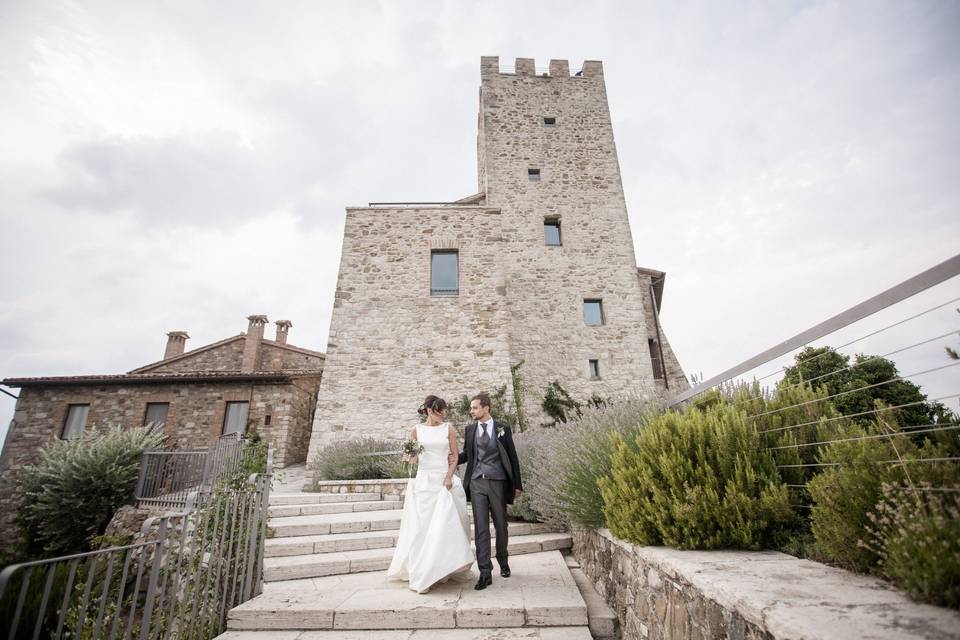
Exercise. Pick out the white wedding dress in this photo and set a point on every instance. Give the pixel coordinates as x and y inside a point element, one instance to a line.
<point>434,538</point>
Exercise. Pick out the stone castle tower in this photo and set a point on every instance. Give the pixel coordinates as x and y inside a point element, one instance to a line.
<point>538,267</point>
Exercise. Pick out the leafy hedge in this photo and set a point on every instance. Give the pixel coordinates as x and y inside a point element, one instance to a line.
<point>68,498</point>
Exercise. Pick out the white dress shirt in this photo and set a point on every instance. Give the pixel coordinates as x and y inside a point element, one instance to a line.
<point>485,426</point>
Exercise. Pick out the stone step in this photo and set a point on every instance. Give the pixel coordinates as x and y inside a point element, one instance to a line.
<point>378,559</point>
<point>541,593</point>
<point>289,510</point>
<point>304,545</point>
<point>336,523</point>
<point>327,543</point>
<point>502,633</point>
<point>358,521</point>
<point>602,620</point>
<point>322,498</point>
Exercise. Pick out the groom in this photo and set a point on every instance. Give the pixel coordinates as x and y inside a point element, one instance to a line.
<point>491,482</point>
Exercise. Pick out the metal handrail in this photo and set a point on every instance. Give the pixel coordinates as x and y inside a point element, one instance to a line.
<point>912,286</point>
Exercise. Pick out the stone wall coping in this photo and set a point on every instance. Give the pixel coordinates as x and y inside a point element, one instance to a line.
<point>473,208</point>
<point>364,483</point>
<point>793,598</point>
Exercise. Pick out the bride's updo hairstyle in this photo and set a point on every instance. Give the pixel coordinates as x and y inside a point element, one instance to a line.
<point>432,402</point>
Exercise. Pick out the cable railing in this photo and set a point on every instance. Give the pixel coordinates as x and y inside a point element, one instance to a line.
<point>829,397</point>
<point>178,579</point>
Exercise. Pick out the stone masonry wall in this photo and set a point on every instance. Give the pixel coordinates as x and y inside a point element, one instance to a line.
<point>273,358</point>
<point>660,593</point>
<point>229,356</point>
<point>676,379</point>
<point>580,185</point>
<point>226,357</point>
<point>195,419</point>
<point>391,342</point>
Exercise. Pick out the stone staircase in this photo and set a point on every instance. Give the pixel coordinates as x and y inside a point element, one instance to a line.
<point>324,578</point>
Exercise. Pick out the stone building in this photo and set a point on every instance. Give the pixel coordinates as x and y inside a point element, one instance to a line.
<point>243,383</point>
<point>538,267</point>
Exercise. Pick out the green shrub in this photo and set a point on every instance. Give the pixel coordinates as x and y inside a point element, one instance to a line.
<point>561,473</point>
<point>916,534</point>
<point>700,479</point>
<point>69,497</point>
<point>844,495</point>
<point>348,460</point>
<point>560,405</point>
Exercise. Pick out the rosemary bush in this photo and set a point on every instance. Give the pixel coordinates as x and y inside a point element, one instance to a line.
<point>915,532</point>
<point>700,479</point>
<point>844,496</point>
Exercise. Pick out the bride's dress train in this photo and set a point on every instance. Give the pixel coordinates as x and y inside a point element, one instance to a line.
<point>434,538</point>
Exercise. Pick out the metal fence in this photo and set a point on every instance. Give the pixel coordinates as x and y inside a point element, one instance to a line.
<point>170,478</point>
<point>914,325</point>
<point>178,579</point>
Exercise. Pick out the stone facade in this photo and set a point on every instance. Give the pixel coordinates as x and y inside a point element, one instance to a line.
<point>660,593</point>
<point>392,341</point>
<point>388,345</point>
<point>196,385</point>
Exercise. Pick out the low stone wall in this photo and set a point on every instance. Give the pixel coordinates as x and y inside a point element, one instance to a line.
<point>659,592</point>
<point>387,488</point>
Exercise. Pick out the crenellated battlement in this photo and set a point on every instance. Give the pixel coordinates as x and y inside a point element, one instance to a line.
<point>490,66</point>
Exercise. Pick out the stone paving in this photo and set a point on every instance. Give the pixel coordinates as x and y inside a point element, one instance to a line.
<point>325,579</point>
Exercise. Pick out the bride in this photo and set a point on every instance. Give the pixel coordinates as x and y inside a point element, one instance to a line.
<point>434,540</point>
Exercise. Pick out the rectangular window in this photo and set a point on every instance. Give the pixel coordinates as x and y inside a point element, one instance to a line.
<point>551,232</point>
<point>235,418</point>
<point>655,360</point>
<point>444,273</point>
<point>594,369</point>
<point>533,175</point>
<point>549,123</point>
<point>593,312</point>
<point>156,413</point>
<point>76,421</point>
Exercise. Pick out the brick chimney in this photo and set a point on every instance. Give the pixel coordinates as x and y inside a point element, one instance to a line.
<point>283,328</point>
<point>251,349</point>
<point>176,343</point>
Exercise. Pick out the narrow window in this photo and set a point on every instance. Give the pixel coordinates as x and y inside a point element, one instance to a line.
<point>444,273</point>
<point>267,419</point>
<point>551,232</point>
<point>76,421</point>
<point>655,360</point>
<point>594,369</point>
<point>156,413</point>
<point>533,175</point>
<point>235,418</point>
<point>593,312</point>
<point>549,123</point>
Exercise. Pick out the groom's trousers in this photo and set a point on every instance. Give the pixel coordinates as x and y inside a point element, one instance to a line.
<point>489,500</point>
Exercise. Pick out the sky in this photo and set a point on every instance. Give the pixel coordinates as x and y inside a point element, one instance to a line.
<point>182,165</point>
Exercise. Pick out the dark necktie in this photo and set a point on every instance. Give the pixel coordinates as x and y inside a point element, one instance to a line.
<point>485,438</point>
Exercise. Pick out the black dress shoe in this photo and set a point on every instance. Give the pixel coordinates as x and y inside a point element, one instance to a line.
<point>485,581</point>
<point>505,570</point>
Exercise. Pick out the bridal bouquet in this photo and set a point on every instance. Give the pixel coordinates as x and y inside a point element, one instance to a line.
<point>411,449</point>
